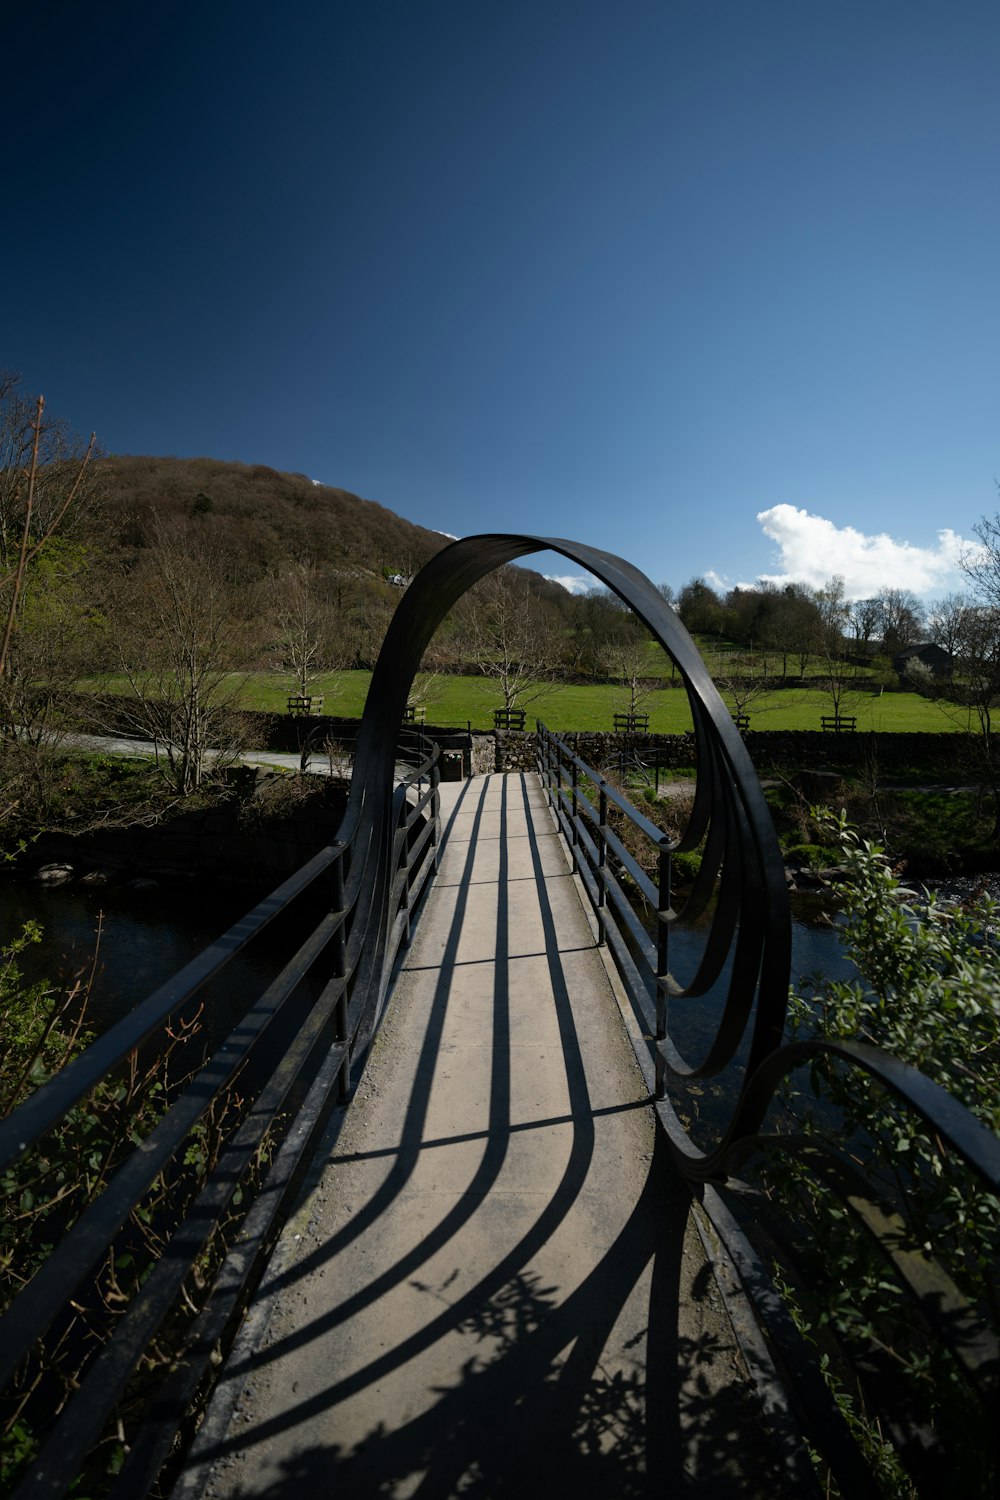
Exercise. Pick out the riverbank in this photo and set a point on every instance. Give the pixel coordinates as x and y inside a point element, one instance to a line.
<point>251,830</point>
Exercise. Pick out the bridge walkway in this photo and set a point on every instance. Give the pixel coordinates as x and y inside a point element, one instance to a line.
<point>494,1286</point>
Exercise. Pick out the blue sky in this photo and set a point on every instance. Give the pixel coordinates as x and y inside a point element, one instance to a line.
<point>710,284</point>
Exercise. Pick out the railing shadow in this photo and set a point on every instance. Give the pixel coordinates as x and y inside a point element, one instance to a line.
<point>375,875</point>
<point>533,1407</point>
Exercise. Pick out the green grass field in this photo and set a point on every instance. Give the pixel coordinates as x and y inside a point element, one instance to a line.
<point>456,701</point>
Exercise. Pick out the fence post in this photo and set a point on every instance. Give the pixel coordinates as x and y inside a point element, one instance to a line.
<point>339,970</point>
<point>404,867</point>
<point>602,865</point>
<point>575,839</point>
<point>662,965</point>
<point>435,812</point>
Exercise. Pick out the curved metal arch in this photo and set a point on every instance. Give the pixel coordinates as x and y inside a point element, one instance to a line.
<point>729,811</point>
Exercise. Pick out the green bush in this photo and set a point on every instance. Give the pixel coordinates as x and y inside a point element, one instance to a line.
<point>43,1194</point>
<point>811,856</point>
<point>928,992</point>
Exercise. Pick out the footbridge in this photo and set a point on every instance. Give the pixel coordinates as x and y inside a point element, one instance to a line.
<point>466,1202</point>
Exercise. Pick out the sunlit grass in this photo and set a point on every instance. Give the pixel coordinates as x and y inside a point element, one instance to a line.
<point>454,702</point>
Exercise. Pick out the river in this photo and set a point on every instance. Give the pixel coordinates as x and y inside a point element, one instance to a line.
<point>148,934</point>
<point>145,936</point>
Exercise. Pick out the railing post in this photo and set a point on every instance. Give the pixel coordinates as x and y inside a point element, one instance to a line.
<point>575,837</point>
<point>662,966</point>
<point>339,971</point>
<point>435,812</point>
<point>602,865</point>
<point>404,866</point>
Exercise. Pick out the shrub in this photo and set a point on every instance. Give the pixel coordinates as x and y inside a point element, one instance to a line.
<point>928,992</point>
<point>43,1194</point>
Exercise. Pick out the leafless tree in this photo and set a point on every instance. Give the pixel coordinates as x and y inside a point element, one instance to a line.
<point>900,619</point>
<point>838,675</point>
<point>42,475</point>
<point>508,636</point>
<point>864,616</point>
<point>944,621</point>
<point>742,678</point>
<point>47,479</point>
<point>627,663</point>
<point>981,562</point>
<point>975,689</point>
<point>45,610</point>
<point>305,642</point>
<point>183,631</point>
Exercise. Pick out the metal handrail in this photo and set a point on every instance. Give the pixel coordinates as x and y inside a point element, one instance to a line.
<point>387,844</point>
<point>384,855</point>
<point>580,797</point>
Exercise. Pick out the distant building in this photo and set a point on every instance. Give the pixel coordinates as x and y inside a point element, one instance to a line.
<point>933,657</point>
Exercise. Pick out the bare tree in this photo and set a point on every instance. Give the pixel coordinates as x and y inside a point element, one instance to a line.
<point>40,479</point>
<point>944,621</point>
<point>304,640</point>
<point>981,562</point>
<point>838,674</point>
<point>900,619</point>
<point>508,636</point>
<point>627,662</point>
<point>742,678</point>
<point>47,479</point>
<point>45,611</point>
<point>183,629</point>
<point>863,617</point>
<point>975,687</point>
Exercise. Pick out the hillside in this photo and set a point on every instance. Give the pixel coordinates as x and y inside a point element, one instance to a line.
<point>260,514</point>
<point>261,518</point>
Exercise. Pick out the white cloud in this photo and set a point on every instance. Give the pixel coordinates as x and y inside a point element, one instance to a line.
<point>716,581</point>
<point>573,583</point>
<point>813,549</point>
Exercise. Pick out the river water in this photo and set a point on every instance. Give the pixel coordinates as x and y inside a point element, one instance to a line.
<point>147,935</point>
<point>144,936</point>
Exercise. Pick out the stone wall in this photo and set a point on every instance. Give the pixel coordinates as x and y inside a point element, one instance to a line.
<point>483,756</point>
<point>508,750</point>
<point>784,749</point>
<point>811,749</point>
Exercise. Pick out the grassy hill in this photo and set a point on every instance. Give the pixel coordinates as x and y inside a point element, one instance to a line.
<point>260,515</point>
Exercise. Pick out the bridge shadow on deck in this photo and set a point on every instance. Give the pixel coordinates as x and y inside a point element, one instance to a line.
<point>416,1352</point>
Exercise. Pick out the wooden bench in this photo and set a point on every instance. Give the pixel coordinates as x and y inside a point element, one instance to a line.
<point>508,718</point>
<point>742,721</point>
<point>414,713</point>
<point>632,723</point>
<point>310,704</point>
<point>837,722</point>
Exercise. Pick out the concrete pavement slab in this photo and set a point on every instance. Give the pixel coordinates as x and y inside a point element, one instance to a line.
<point>497,1288</point>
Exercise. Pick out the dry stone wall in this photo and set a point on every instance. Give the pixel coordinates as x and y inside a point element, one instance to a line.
<point>798,750</point>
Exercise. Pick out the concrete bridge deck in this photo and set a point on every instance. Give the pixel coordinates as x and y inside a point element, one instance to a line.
<point>495,1286</point>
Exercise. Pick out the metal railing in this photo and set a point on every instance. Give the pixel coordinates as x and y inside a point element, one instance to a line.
<point>372,877</point>
<point>624,862</point>
<point>370,880</point>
